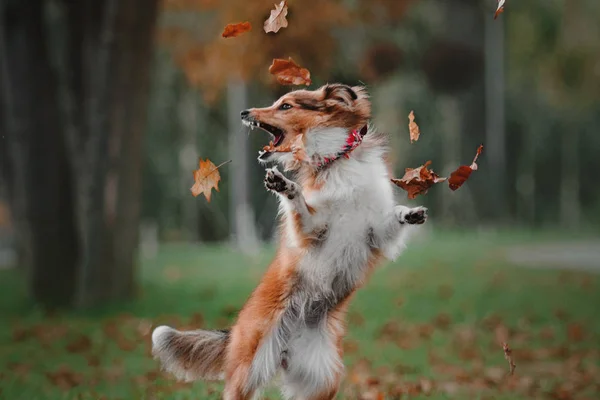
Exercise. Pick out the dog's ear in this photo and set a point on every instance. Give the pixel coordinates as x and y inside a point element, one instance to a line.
<point>340,93</point>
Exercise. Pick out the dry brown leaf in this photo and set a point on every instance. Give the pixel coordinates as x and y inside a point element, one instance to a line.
<point>79,344</point>
<point>64,378</point>
<point>460,176</point>
<point>413,127</point>
<point>296,148</point>
<point>508,356</point>
<point>233,30</point>
<point>500,8</point>
<point>207,177</point>
<point>287,72</point>
<point>277,19</point>
<point>417,181</point>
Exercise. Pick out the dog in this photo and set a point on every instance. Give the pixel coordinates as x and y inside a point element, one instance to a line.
<point>339,221</point>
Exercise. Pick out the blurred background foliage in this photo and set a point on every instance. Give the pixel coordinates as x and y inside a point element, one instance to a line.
<point>112,103</point>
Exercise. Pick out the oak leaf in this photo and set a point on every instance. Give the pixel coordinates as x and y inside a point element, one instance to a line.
<point>207,177</point>
<point>413,127</point>
<point>277,19</point>
<point>287,72</point>
<point>233,30</point>
<point>462,173</point>
<point>500,8</point>
<point>417,181</point>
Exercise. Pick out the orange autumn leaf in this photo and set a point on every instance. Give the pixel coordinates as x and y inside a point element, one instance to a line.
<point>500,8</point>
<point>417,181</point>
<point>296,148</point>
<point>413,127</point>
<point>287,72</point>
<point>233,30</point>
<point>207,177</point>
<point>462,173</point>
<point>277,19</point>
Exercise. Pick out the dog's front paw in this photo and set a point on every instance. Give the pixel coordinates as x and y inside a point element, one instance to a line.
<point>412,216</point>
<point>276,182</point>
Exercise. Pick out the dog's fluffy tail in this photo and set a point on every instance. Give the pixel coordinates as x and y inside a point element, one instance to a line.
<point>191,355</point>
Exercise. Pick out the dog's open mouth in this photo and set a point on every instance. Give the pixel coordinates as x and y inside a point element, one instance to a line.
<point>277,134</point>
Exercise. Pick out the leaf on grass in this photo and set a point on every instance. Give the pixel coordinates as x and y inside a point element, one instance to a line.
<point>287,72</point>
<point>79,344</point>
<point>413,127</point>
<point>233,30</point>
<point>64,378</point>
<point>460,176</point>
<point>207,177</point>
<point>417,181</point>
<point>508,356</point>
<point>277,19</point>
<point>500,8</point>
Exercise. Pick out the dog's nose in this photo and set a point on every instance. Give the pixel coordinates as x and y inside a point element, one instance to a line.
<point>245,113</point>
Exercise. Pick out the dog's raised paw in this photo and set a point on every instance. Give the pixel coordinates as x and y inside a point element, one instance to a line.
<point>415,216</point>
<point>275,181</point>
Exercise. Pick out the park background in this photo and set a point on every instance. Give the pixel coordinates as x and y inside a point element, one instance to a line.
<point>106,107</point>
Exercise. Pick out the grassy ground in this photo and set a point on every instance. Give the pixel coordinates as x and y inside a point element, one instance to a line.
<point>428,326</point>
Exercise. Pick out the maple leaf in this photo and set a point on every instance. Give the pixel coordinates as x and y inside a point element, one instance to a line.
<point>413,128</point>
<point>508,356</point>
<point>277,19</point>
<point>462,173</point>
<point>500,8</point>
<point>207,177</point>
<point>417,181</point>
<point>287,72</point>
<point>233,30</point>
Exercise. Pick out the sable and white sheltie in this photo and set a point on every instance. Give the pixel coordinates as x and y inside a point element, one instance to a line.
<point>339,221</point>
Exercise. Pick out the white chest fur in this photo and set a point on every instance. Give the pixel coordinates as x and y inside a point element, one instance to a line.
<point>356,197</point>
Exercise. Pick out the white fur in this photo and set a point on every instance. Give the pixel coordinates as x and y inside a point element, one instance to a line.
<point>357,197</point>
<point>314,364</point>
<point>324,142</point>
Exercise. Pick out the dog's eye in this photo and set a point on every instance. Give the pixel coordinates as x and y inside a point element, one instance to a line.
<point>285,106</point>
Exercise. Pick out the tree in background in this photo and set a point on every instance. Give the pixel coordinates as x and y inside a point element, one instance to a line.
<point>74,82</point>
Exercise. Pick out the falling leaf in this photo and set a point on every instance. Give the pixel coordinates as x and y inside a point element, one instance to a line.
<point>417,181</point>
<point>287,72</point>
<point>233,30</point>
<point>460,176</point>
<point>508,356</point>
<point>207,177</point>
<point>413,127</point>
<point>500,8</point>
<point>277,19</point>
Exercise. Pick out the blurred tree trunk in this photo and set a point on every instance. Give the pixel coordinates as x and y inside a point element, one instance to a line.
<point>243,230</point>
<point>570,203</point>
<point>41,189</point>
<point>188,161</point>
<point>495,132</point>
<point>76,82</point>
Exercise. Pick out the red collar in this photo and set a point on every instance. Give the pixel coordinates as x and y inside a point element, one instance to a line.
<point>355,137</point>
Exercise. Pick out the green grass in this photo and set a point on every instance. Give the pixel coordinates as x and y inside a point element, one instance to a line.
<point>398,343</point>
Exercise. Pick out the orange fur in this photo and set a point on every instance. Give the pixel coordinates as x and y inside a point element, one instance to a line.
<point>256,319</point>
